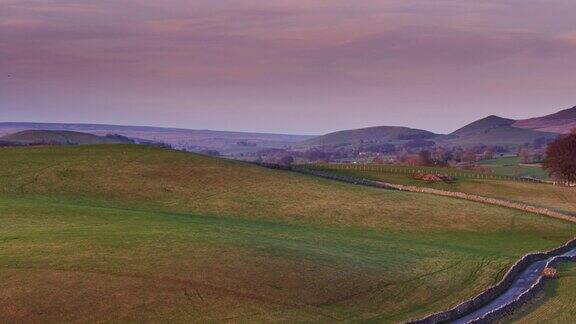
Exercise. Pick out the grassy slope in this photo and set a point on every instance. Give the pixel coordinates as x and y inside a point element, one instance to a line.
<point>555,306</point>
<point>537,194</point>
<point>136,233</point>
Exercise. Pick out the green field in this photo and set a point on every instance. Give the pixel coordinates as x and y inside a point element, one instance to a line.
<point>133,233</point>
<point>511,166</point>
<point>538,194</point>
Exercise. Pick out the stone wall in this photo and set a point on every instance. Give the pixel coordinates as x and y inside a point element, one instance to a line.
<point>485,200</point>
<point>517,303</point>
<point>453,194</point>
<point>491,293</point>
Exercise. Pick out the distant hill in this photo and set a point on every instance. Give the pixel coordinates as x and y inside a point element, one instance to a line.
<point>494,130</point>
<point>380,134</point>
<point>62,138</point>
<point>561,122</point>
<point>227,143</point>
<point>491,130</point>
<point>484,124</point>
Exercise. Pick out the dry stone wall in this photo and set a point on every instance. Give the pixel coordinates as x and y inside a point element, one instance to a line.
<point>491,293</point>
<point>453,194</point>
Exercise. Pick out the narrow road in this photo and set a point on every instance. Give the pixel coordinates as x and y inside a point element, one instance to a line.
<point>520,286</point>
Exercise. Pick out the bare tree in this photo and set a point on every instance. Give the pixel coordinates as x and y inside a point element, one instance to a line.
<point>524,155</point>
<point>469,156</point>
<point>560,159</point>
<point>425,158</point>
<point>286,160</point>
<point>488,153</point>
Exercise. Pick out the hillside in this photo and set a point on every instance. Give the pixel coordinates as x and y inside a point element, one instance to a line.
<point>149,234</point>
<point>483,125</point>
<point>380,134</point>
<point>501,136</point>
<point>227,143</point>
<point>62,138</point>
<point>561,122</point>
<point>493,130</point>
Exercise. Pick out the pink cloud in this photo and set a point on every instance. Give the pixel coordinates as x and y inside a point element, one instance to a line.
<point>379,51</point>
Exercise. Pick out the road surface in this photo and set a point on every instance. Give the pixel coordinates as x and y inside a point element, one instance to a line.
<point>520,286</point>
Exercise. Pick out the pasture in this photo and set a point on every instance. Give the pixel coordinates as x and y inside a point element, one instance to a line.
<point>134,233</point>
<point>511,166</point>
<point>490,185</point>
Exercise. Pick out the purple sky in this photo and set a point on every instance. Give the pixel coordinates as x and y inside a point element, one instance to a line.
<point>294,66</point>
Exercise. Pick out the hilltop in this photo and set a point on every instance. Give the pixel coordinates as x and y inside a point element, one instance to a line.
<point>561,122</point>
<point>34,137</point>
<point>136,233</point>
<point>494,130</point>
<point>380,134</point>
<point>483,125</point>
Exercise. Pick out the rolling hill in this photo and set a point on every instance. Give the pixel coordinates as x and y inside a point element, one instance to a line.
<point>62,138</point>
<point>380,134</point>
<point>136,233</point>
<point>494,130</point>
<point>561,122</point>
<point>483,125</point>
<point>227,143</point>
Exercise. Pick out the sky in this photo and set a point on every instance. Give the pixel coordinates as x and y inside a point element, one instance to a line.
<point>285,66</point>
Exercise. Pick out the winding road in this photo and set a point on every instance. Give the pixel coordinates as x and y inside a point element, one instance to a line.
<point>522,284</point>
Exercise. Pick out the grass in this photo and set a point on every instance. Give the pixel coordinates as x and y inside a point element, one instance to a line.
<point>555,304</point>
<point>538,194</point>
<point>511,166</point>
<point>131,233</point>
